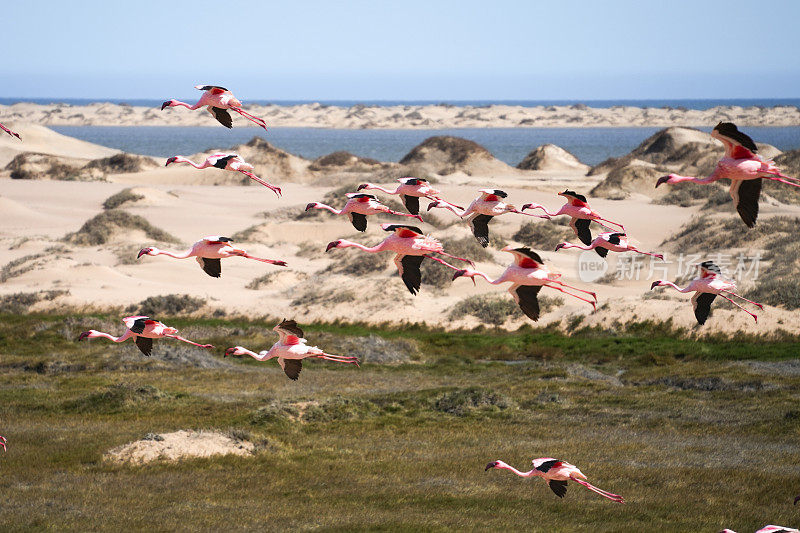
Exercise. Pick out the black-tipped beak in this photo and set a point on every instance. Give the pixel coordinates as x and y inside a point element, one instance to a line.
<point>490,466</point>
<point>165,105</point>
<point>662,179</point>
<point>558,247</point>
<point>331,246</point>
<point>229,351</point>
<point>432,205</point>
<point>83,336</point>
<point>362,186</point>
<point>142,252</point>
<point>310,206</point>
<point>524,207</point>
<point>458,274</point>
<point>170,160</point>
<point>654,285</point>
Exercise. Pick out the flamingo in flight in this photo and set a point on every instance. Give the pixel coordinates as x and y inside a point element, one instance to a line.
<point>12,133</point>
<point>290,350</point>
<point>743,167</point>
<point>208,251</point>
<point>609,241</point>
<point>527,276</point>
<point>225,161</point>
<point>556,473</point>
<point>410,191</point>
<point>706,288</point>
<point>411,247</point>
<point>481,211</point>
<point>582,215</point>
<point>143,330</point>
<point>358,207</point>
<point>217,100</point>
<point>769,529</point>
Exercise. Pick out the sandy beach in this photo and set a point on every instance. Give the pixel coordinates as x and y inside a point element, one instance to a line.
<point>405,116</point>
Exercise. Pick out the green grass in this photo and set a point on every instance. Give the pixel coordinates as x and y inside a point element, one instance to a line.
<point>645,410</point>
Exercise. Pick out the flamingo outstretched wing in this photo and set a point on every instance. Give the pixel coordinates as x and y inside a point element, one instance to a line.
<point>737,144</point>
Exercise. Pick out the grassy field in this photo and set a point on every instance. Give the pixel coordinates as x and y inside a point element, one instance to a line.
<point>698,433</point>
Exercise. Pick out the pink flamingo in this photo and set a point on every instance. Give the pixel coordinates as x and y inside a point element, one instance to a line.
<point>411,247</point>
<point>582,215</point>
<point>708,286</point>
<point>225,161</point>
<point>527,277</point>
<point>609,241</point>
<point>481,211</point>
<point>143,330</point>
<point>410,191</point>
<point>769,529</point>
<point>208,251</point>
<point>3,442</point>
<point>358,207</point>
<point>12,133</point>
<point>217,100</point>
<point>743,167</point>
<point>290,350</point>
<point>556,473</point>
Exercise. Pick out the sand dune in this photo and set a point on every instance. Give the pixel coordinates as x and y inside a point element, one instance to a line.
<point>37,138</point>
<point>403,116</point>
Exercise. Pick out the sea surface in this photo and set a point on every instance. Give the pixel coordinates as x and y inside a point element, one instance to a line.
<point>511,145</point>
<point>700,104</point>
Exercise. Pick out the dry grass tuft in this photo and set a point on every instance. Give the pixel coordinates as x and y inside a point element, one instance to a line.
<point>122,197</point>
<point>101,228</point>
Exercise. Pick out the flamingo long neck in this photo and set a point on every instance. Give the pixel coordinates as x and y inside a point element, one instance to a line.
<point>329,208</point>
<point>546,212</point>
<point>257,357</point>
<point>121,338</point>
<point>487,278</point>
<point>675,178</point>
<point>517,472</point>
<point>379,188</point>
<point>670,284</point>
<point>571,245</point>
<point>184,104</point>
<point>348,244</point>
<point>184,255</point>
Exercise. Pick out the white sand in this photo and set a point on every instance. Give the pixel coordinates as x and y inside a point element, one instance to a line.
<point>177,446</point>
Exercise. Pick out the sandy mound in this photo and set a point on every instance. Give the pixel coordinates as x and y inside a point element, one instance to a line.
<point>270,162</point>
<point>140,196</point>
<point>35,166</point>
<point>551,157</point>
<point>43,140</point>
<point>345,160</point>
<point>115,224</point>
<point>445,155</point>
<point>177,446</point>
<point>636,176</point>
<point>122,164</point>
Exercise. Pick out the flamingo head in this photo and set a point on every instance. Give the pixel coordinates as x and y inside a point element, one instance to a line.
<point>656,283</point>
<point>176,159</point>
<point>493,464</point>
<point>236,350</point>
<point>363,186</point>
<point>332,245</point>
<point>85,335</point>
<point>560,246</point>
<point>145,251</point>
<point>312,205</point>
<point>168,103</point>
<point>433,204</point>
<point>664,179</point>
<point>467,272</point>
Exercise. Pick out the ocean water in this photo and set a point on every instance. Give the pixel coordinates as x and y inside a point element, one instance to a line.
<point>700,104</point>
<point>511,145</point>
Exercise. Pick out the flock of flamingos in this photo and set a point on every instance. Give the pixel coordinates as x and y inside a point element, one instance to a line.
<point>527,274</point>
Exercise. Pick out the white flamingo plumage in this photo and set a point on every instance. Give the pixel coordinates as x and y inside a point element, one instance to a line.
<point>217,100</point>
<point>143,330</point>
<point>225,161</point>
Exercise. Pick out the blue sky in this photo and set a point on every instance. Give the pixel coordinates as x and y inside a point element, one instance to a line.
<point>408,50</point>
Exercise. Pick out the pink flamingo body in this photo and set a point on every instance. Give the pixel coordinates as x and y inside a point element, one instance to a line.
<point>225,161</point>
<point>556,473</point>
<point>410,191</point>
<point>12,133</point>
<point>290,350</point>
<point>217,100</point>
<point>208,251</point>
<point>143,330</point>
<point>481,211</point>
<point>706,288</point>
<point>609,241</point>
<point>577,208</point>
<point>769,529</point>
<point>411,247</point>
<point>527,276</point>
<point>358,207</point>
<point>743,167</point>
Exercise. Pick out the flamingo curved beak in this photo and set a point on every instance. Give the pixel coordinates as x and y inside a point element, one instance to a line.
<point>165,105</point>
<point>310,206</point>
<point>170,160</point>
<point>655,284</point>
<point>83,335</point>
<point>490,466</point>
<point>526,206</point>
<point>432,205</point>
<point>331,246</point>
<point>662,179</point>
<point>229,351</point>
<point>458,274</point>
<point>559,246</point>
<point>142,252</point>
<point>362,186</point>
